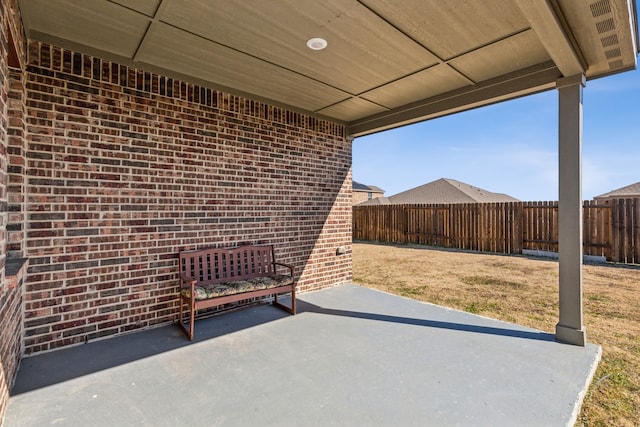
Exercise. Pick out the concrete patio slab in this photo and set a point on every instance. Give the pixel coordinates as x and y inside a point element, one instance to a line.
<point>351,357</point>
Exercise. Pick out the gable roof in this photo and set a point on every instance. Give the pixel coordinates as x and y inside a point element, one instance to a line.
<point>356,186</point>
<point>446,191</point>
<point>632,190</point>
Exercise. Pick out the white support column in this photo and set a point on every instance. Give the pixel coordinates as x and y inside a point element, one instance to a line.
<point>570,328</point>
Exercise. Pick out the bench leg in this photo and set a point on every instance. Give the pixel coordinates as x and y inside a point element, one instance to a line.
<point>192,313</point>
<point>293,301</point>
<point>188,332</point>
<point>292,309</point>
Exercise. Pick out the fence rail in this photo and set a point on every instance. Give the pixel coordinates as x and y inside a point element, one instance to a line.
<point>610,229</point>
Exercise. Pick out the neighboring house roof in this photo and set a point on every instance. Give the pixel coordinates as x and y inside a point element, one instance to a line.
<point>356,186</point>
<point>375,201</point>
<point>632,190</point>
<point>443,190</point>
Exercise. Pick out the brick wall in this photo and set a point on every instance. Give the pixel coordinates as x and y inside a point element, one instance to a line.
<point>7,298</point>
<point>16,150</point>
<point>11,282</point>
<point>125,168</point>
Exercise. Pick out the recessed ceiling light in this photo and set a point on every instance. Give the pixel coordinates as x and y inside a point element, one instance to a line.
<point>316,43</point>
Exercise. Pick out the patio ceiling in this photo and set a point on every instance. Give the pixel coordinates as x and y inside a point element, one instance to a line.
<point>387,63</point>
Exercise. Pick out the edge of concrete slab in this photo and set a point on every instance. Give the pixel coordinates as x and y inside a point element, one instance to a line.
<point>585,387</point>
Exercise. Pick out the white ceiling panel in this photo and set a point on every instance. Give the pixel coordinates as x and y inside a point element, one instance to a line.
<point>99,24</point>
<point>450,28</point>
<point>182,52</point>
<point>363,50</point>
<point>508,55</point>
<point>148,7</point>
<point>352,109</point>
<point>422,85</point>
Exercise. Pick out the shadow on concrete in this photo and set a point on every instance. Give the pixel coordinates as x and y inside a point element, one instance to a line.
<point>516,333</point>
<point>66,364</point>
<point>62,365</point>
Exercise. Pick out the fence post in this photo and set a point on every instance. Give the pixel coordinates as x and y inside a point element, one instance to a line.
<point>635,242</point>
<point>615,230</point>
<point>517,218</point>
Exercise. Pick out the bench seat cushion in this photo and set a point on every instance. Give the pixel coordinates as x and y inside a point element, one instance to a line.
<point>231,288</point>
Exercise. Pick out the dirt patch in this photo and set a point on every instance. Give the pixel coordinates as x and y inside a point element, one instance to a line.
<point>524,290</point>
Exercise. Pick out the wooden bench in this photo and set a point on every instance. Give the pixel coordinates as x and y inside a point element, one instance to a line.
<point>217,276</point>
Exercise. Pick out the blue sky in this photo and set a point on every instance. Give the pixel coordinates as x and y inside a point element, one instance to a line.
<point>512,147</point>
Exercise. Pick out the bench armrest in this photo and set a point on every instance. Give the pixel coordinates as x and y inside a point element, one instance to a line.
<point>290,267</point>
<point>185,280</point>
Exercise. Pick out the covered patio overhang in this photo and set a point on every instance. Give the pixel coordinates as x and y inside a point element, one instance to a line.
<point>386,64</point>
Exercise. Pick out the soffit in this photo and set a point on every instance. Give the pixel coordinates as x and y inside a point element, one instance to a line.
<point>386,64</point>
<point>606,31</point>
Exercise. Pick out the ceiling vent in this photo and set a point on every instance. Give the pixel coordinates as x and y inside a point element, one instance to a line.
<point>616,64</point>
<point>600,8</point>
<point>609,40</point>
<point>613,53</point>
<point>605,26</point>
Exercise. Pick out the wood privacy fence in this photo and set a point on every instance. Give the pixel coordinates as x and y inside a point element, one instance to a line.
<point>611,229</point>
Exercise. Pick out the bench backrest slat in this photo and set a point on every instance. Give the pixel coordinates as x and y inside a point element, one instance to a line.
<point>219,265</point>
